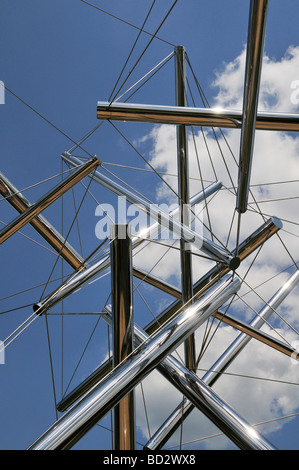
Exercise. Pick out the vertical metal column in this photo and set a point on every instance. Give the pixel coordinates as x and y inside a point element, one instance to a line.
<point>183,191</point>
<point>122,329</point>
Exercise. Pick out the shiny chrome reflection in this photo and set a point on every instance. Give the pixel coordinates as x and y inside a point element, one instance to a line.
<point>204,117</point>
<point>17,200</point>
<point>167,429</point>
<point>124,436</point>
<point>106,394</point>
<point>48,199</point>
<point>254,60</point>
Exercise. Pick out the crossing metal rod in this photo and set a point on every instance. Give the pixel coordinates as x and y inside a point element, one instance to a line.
<point>77,421</point>
<point>183,193</point>
<point>254,59</point>
<point>204,117</point>
<point>247,247</point>
<point>77,280</point>
<point>163,434</point>
<point>17,200</point>
<point>205,399</point>
<point>155,213</point>
<point>48,199</point>
<point>122,330</point>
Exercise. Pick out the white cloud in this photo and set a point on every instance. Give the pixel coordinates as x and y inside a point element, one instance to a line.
<point>276,157</point>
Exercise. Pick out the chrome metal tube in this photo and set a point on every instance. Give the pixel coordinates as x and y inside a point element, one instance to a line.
<point>204,117</point>
<point>183,193</point>
<point>78,280</point>
<point>95,404</point>
<point>167,429</point>
<point>122,330</point>
<point>153,211</point>
<point>254,60</point>
<point>205,399</point>
<point>47,199</point>
<point>17,200</point>
<point>255,333</point>
<point>247,247</point>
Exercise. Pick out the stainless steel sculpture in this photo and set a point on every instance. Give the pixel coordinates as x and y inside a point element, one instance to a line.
<point>136,351</point>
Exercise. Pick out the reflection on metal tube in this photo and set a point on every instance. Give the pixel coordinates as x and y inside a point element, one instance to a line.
<point>167,429</point>
<point>247,247</point>
<point>183,193</point>
<point>17,200</point>
<point>95,404</point>
<point>254,59</point>
<point>48,199</point>
<point>78,280</point>
<point>122,330</point>
<point>205,399</point>
<point>153,211</point>
<point>194,116</point>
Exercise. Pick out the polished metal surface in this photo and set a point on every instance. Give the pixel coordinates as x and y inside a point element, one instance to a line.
<point>167,429</point>
<point>154,212</point>
<point>17,200</point>
<point>124,436</point>
<point>254,60</point>
<point>205,399</point>
<point>183,193</point>
<point>102,397</point>
<point>48,199</point>
<point>265,338</point>
<point>263,233</point>
<point>205,117</point>
<point>79,279</point>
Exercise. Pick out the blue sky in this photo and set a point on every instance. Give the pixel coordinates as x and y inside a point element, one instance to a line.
<point>61,57</point>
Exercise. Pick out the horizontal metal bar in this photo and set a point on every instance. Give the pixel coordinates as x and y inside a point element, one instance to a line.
<point>17,200</point>
<point>100,399</point>
<point>255,333</point>
<point>254,60</point>
<point>204,398</point>
<point>205,117</point>
<point>48,199</point>
<point>155,282</point>
<point>152,210</point>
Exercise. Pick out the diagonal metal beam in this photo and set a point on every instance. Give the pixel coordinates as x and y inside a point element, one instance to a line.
<point>204,398</point>
<point>247,247</point>
<point>105,395</point>
<point>154,212</point>
<point>204,117</point>
<point>163,434</point>
<point>254,60</point>
<point>17,200</point>
<point>255,333</point>
<point>35,209</point>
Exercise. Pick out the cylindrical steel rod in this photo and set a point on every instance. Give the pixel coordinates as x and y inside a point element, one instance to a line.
<point>255,333</point>
<point>205,117</point>
<point>78,280</point>
<point>254,59</point>
<point>122,330</point>
<point>163,434</point>
<point>183,192</point>
<point>154,212</point>
<point>48,199</point>
<point>205,399</point>
<point>17,200</point>
<point>259,237</point>
<point>95,404</point>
